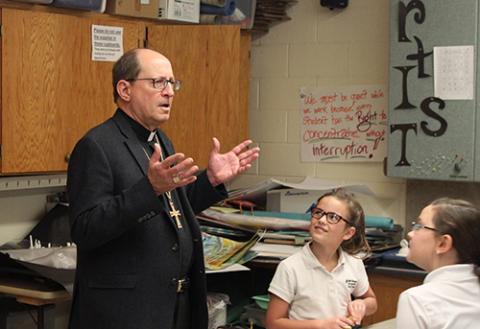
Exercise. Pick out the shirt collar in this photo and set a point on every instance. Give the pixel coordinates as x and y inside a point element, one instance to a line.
<point>143,134</point>
<point>456,272</point>
<point>313,262</point>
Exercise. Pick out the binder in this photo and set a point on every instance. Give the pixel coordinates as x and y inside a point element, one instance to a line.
<point>92,5</point>
<point>45,2</point>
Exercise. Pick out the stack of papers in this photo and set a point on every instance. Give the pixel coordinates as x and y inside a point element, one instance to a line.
<point>275,250</point>
<point>383,238</point>
<point>220,253</point>
<point>255,222</point>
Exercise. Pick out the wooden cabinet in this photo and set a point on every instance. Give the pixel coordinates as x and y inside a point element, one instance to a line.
<point>52,92</point>
<point>388,288</point>
<point>212,101</point>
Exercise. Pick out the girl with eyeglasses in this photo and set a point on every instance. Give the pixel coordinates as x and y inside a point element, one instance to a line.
<point>313,288</point>
<point>445,242</point>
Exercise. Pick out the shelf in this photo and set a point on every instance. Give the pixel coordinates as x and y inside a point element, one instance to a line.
<point>32,182</point>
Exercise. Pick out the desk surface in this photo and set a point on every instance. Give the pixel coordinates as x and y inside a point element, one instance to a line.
<point>387,324</point>
<point>33,292</point>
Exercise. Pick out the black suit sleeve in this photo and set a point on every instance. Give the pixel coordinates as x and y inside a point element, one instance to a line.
<point>98,213</point>
<point>202,194</point>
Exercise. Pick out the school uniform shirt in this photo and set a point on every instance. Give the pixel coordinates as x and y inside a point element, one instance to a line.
<point>312,291</point>
<point>448,299</point>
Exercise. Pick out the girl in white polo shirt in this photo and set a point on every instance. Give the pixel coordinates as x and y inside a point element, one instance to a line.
<point>445,242</point>
<point>313,288</point>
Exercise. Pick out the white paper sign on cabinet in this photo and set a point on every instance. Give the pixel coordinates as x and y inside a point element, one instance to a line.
<point>107,43</point>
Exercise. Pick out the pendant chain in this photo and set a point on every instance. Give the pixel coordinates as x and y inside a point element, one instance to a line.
<point>174,212</point>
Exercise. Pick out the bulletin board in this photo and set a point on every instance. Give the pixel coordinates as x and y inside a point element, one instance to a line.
<point>433,97</point>
<point>343,124</point>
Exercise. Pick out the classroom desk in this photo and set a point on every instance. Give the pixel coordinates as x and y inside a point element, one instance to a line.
<point>41,296</point>
<point>387,324</point>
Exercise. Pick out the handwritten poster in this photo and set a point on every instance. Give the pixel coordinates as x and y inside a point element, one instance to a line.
<point>343,124</point>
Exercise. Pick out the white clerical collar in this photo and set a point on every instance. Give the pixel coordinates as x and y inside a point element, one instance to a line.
<point>151,136</point>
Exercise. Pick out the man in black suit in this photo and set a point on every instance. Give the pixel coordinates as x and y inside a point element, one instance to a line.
<point>132,206</point>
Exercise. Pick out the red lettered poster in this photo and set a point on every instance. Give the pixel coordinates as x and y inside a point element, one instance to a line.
<point>343,124</point>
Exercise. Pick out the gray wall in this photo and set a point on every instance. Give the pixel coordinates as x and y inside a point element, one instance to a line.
<point>422,192</point>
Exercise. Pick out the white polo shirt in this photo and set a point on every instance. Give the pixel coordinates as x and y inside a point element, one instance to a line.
<point>312,291</point>
<point>448,299</point>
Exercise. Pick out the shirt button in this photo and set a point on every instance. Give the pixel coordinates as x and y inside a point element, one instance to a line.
<point>175,247</point>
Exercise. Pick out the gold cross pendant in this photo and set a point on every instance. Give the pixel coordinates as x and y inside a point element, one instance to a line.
<point>174,213</point>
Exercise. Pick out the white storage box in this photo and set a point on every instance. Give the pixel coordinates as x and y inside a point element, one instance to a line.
<point>177,10</point>
<point>299,201</point>
<point>292,200</point>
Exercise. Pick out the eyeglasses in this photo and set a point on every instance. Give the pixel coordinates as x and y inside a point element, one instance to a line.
<point>417,226</point>
<point>332,217</point>
<point>161,83</point>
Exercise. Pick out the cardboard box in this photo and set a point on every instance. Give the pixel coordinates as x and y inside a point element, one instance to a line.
<point>176,10</point>
<point>299,201</point>
<point>291,200</point>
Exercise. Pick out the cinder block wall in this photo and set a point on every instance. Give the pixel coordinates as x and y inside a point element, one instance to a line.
<point>317,47</point>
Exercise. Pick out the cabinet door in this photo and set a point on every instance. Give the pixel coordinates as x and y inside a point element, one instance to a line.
<point>388,288</point>
<point>52,92</point>
<point>431,137</point>
<point>212,101</point>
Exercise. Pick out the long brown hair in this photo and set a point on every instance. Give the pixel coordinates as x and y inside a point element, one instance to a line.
<point>358,241</point>
<point>461,220</point>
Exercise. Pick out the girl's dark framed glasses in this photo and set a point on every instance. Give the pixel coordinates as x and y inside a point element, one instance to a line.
<point>332,217</point>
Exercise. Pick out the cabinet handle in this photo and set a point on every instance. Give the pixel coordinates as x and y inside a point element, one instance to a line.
<point>67,157</point>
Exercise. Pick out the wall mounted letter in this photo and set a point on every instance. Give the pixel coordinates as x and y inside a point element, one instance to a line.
<point>405,105</point>
<point>420,58</point>
<point>404,128</point>
<point>402,17</point>
<point>425,106</point>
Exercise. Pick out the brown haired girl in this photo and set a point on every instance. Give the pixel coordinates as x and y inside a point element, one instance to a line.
<point>313,288</point>
<point>445,242</point>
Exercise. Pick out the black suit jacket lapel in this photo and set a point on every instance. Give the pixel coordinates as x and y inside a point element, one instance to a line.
<point>164,144</point>
<point>131,141</point>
